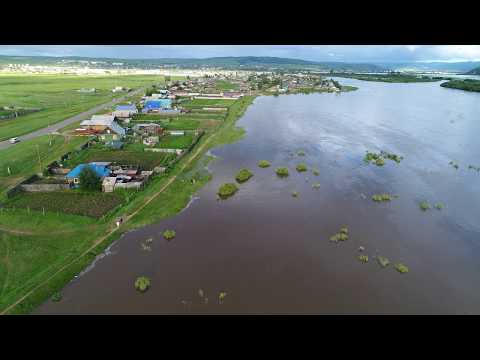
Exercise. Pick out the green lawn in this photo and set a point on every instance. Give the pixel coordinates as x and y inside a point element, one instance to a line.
<point>29,157</point>
<point>131,155</point>
<point>70,202</point>
<point>56,95</point>
<point>175,142</point>
<point>207,103</point>
<point>224,85</point>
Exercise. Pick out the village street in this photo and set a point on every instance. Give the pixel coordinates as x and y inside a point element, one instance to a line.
<point>82,116</point>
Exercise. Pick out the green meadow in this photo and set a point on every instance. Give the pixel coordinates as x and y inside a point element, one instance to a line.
<point>58,98</point>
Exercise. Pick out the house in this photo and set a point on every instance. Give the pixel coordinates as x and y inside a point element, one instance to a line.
<point>125,111</point>
<point>108,184</point>
<point>232,94</point>
<point>101,125</point>
<point>118,89</point>
<point>148,129</point>
<point>151,140</point>
<point>101,169</point>
<point>177,132</point>
<point>156,105</point>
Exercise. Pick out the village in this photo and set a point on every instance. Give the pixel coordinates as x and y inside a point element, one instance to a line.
<point>135,141</point>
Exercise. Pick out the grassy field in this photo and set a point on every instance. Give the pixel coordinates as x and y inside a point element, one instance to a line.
<point>175,142</point>
<point>224,85</point>
<point>58,97</point>
<point>68,202</point>
<point>131,155</point>
<point>466,85</point>
<point>207,103</point>
<point>33,247</point>
<point>29,157</point>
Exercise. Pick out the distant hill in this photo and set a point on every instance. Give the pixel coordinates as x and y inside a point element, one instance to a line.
<point>475,71</point>
<point>451,67</point>
<point>241,63</point>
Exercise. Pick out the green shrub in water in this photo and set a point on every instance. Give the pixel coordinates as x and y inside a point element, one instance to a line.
<point>316,186</point>
<point>401,268</point>
<point>383,261</point>
<point>316,172</point>
<point>295,194</point>
<point>379,162</point>
<point>382,197</point>
<point>56,297</point>
<point>301,153</point>
<point>142,283</point>
<point>243,175</point>
<point>263,164</point>
<point>301,167</point>
<point>424,205</point>
<point>282,171</point>
<point>227,190</point>
<point>342,235</point>
<point>363,258</point>
<point>169,234</point>
<point>439,206</point>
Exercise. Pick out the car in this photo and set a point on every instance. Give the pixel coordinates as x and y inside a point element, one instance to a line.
<point>14,140</point>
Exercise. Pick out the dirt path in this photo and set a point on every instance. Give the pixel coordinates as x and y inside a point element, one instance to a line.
<point>113,229</point>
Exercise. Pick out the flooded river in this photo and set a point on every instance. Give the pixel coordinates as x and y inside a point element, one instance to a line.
<point>270,252</point>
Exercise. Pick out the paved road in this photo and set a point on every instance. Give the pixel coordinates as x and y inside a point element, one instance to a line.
<point>82,116</point>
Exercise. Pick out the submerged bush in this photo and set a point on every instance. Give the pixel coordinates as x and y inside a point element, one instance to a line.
<point>379,159</point>
<point>454,164</point>
<point>169,234</point>
<point>282,171</point>
<point>301,167</point>
<point>263,164</point>
<point>227,190</point>
<point>316,186</point>
<point>383,261</point>
<point>379,162</point>
<point>382,197</point>
<point>424,205</point>
<point>56,297</point>
<point>401,268</point>
<point>142,283</point>
<point>243,175</point>
<point>439,206</point>
<point>316,172</point>
<point>363,258</point>
<point>295,194</point>
<point>340,236</point>
<point>301,153</point>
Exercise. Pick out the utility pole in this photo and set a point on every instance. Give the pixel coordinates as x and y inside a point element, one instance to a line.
<point>39,159</point>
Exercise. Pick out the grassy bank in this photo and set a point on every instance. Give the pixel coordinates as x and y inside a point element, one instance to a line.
<point>392,78</point>
<point>40,253</point>
<point>58,97</point>
<point>466,85</point>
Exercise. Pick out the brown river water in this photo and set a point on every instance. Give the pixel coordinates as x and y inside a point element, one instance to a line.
<point>270,252</point>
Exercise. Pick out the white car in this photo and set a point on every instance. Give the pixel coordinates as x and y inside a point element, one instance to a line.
<point>14,140</point>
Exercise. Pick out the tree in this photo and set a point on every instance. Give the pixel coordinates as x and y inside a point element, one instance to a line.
<point>89,180</point>
<point>149,92</point>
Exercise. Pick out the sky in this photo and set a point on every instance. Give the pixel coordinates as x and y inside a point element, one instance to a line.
<point>346,53</point>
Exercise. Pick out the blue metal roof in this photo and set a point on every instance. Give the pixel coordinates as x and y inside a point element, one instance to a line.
<point>100,170</point>
<point>126,107</point>
<point>157,104</point>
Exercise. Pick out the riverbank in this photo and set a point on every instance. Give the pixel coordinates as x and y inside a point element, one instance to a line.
<point>390,78</point>
<point>466,85</point>
<point>21,291</point>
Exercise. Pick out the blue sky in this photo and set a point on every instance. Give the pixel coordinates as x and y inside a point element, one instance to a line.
<point>347,53</point>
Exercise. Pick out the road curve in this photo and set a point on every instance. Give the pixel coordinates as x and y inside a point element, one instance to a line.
<point>57,126</point>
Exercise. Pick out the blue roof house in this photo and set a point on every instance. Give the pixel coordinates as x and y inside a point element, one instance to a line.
<point>156,105</point>
<point>100,169</point>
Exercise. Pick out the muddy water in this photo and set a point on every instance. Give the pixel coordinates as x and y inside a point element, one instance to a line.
<point>270,252</point>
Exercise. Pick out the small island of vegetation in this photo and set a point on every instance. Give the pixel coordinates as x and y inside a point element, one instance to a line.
<point>282,171</point>
<point>466,85</point>
<point>243,175</point>
<point>142,284</point>
<point>227,190</point>
<point>263,163</point>
<point>392,77</point>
